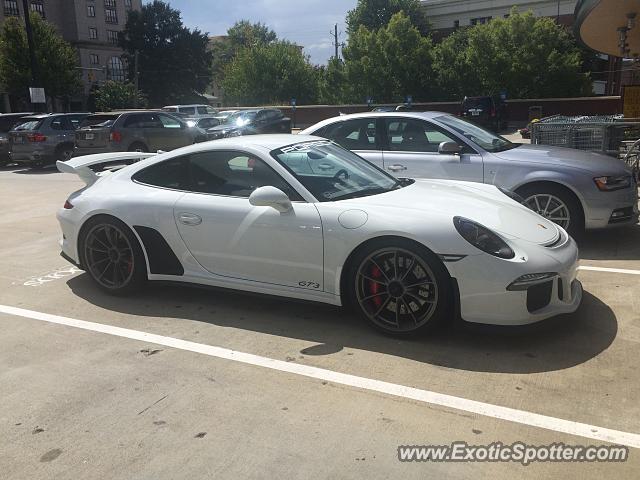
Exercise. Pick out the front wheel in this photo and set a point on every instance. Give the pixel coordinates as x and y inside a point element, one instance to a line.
<point>555,204</point>
<point>112,256</point>
<point>400,287</point>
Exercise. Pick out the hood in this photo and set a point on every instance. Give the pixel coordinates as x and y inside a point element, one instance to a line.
<point>222,128</point>
<point>596,163</point>
<point>484,204</point>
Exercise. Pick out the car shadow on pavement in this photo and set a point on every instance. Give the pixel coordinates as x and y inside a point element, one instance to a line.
<point>564,342</point>
<point>37,171</point>
<point>615,244</point>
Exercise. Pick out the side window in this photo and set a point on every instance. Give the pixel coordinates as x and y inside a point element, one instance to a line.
<point>359,134</point>
<point>202,110</point>
<point>408,135</point>
<point>188,110</point>
<point>143,120</point>
<point>234,174</point>
<point>57,123</point>
<point>169,122</point>
<point>172,173</point>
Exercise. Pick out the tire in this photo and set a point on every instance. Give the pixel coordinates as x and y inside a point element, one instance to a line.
<point>64,152</point>
<point>138,147</point>
<point>111,255</point>
<point>399,287</point>
<point>537,196</point>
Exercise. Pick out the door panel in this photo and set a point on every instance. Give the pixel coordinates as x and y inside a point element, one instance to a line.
<point>230,237</point>
<point>411,150</point>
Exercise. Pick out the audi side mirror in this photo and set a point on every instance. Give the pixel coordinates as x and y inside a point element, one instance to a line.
<point>449,148</point>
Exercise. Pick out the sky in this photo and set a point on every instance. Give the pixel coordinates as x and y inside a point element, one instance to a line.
<point>308,23</point>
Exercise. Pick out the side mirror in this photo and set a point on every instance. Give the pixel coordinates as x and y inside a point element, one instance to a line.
<point>449,148</point>
<point>270,197</point>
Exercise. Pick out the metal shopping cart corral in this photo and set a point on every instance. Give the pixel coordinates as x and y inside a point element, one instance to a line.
<point>597,133</point>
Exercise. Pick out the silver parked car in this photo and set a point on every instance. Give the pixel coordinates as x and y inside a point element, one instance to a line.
<point>144,131</point>
<point>43,139</point>
<point>574,188</point>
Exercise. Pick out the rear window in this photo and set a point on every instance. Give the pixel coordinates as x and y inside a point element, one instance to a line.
<point>481,102</point>
<point>98,120</point>
<point>7,124</point>
<point>33,124</point>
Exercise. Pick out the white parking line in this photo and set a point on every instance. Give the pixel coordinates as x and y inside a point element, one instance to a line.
<point>609,270</point>
<point>449,401</point>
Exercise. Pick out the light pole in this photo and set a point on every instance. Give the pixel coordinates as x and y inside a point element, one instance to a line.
<point>32,52</point>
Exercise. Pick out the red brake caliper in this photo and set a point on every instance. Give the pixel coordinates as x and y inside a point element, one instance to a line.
<point>375,286</point>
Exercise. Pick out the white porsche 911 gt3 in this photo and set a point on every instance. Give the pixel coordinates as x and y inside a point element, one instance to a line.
<point>299,216</point>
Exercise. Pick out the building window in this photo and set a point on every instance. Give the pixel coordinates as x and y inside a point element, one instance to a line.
<point>93,33</point>
<point>11,7</point>
<point>127,4</point>
<point>94,59</point>
<point>480,20</point>
<point>115,69</point>
<point>38,7</point>
<point>110,3</point>
<point>456,23</point>
<point>112,36</point>
<point>91,11</point>
<point>110,15</point>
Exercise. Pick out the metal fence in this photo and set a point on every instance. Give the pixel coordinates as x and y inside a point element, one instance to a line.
<point>601,133</point>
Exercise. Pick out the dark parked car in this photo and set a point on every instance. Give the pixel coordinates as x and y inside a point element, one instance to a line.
<point>145,131</point>
<point>204,122</point>
<point>7,122</point>
<point>489,112</point>
<point>44,138</point>
<point>251,122</point>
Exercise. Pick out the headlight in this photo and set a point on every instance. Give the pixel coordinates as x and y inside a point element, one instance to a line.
<point>512,195</point>
<point>482,238</point>
<point>609,184</point>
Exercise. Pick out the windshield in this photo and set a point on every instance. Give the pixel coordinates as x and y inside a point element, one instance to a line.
<point>241,119</point>
<point>483,138</point>
<point>332,173</point>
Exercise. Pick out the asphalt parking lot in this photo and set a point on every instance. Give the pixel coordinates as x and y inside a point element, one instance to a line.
<point>319,396</point>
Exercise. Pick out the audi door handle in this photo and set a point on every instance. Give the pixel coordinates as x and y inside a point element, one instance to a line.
<point>190,219</point>
<point>396,168</point>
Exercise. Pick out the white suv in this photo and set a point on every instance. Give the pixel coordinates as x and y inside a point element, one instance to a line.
<point>190,111</point>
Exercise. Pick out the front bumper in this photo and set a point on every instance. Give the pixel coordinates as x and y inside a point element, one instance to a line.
<point>483,280</point>
<point>611,209</point>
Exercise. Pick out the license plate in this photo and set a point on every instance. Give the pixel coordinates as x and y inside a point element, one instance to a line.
<point>475,114</point>
<point>89,136</point>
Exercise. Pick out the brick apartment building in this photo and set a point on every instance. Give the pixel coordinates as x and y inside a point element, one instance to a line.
<point>91,26</point>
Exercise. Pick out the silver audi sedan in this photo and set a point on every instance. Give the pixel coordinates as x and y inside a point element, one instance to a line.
<point>576,189</point>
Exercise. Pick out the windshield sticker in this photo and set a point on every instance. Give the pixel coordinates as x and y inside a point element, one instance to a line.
<point>305,147</point>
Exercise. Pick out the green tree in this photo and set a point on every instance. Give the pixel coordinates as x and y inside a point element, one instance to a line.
<point>117,95</point>
<point>390,63</point>
<point>375,14</point>
<point>57,61</point>
<point>174,63</point>
<point>332,82</point>
<point>528,57</point>
<point>270,74</point>
<point>242,34</point>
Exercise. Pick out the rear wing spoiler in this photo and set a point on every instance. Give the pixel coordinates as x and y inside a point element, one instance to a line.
<point>81,166</point>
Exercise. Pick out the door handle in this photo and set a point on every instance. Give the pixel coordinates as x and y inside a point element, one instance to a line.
<point>190,219</point>
<point>396,168</point>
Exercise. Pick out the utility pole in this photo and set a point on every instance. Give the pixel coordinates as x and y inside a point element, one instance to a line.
<point>135,78</point>
<point>334,34</point>
<point>32,51</point>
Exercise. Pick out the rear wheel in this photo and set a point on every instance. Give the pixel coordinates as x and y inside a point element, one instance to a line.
<point>138,147</point>
<point>64,152</point>
<point>555,204</point>
<point>112,256</point>
<point>399,287</point>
